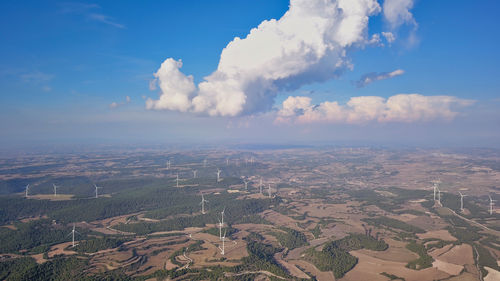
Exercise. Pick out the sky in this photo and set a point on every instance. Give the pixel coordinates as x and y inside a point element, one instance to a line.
<point>407,72</point>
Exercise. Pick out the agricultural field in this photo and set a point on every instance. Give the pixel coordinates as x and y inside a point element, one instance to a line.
<point>303,214</point>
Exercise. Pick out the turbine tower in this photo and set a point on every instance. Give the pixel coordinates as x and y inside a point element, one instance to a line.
<point>491,205</point>
<point>435,190</point>
<point>177,180</point>
<point>223,240</point>
<point>269,190</point>
<point>205,163</point>
<point>26,190</point>
<point>222,215</point>
<point>55,189</point>
<point>462,201</point>
<point>72,233</point>
<point>218,174</point>
<point>168,165</point>
<point>227,161</point>
<point>96,188</point>
<point>194,174</point>
<point>202,203</point>
<point>246,184</point>
<point>220,229</point>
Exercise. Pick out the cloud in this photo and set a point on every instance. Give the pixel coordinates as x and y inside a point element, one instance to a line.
<point>89,12</point>
<point>405,108</point>
<point>118,104</point>
<point>397,12</point>
<point>371,77</point>
<point>309,43</point>
<point>104,19</point>
<point>389,36</point>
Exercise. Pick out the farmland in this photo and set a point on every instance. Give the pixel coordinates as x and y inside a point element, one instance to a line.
<point>327,214</point>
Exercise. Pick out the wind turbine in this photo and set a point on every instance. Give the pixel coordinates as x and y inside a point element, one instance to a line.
<point>227,161</point>
<point>435,190</point>
<point>202,203</point>
<point>491,205</point>
<point>168,165</point>
<point>246,184</point>
<point>177,180</point>
<point>96,188</point>
<point>205,163</point>
<point>26,191</point>
<point>461,201</point>
<point>220,229</point>
<point>222,215</point>
<point>218,174</point>
<point>223,240</point>
<point>269,190</point>
<point>72,233</point>
<point>55,189</point>
<point>194,174</point>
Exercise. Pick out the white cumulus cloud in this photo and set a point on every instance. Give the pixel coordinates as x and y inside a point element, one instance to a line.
<point>371,77</point>
<point>397,12</point>
<point>389,36</point>
<point>397,108</point>
<point>309,43</point>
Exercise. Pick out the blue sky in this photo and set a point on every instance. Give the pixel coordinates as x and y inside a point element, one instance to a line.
<point>62,64</point>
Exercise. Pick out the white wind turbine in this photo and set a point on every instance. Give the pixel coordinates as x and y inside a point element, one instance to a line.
<point>439,197</point>
<point>168,165</point>
<point>462,201</point>
<point>269,190</point>
<point>491,205</point>
<point>55,189</point>
<point>202,203</point>
<point>246,184</point>
<point>221,223</point>
<point>205,163</point>
<point>435,190</point>
<point>227,161</point>
<point>96,190</point>
<point>218,174</point>
<point>194,174</point>
<point>220,229</point>
<point>72,233</point>
<point>177,180</point>
<point>26,190</point>
<point>222,216</point>
<point>223,238</point>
